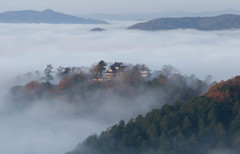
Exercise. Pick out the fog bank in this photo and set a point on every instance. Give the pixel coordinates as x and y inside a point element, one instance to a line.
<point>50,129</point>
<point>32,46</point>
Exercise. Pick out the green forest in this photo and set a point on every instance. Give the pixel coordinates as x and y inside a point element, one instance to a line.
<point>203,124</point>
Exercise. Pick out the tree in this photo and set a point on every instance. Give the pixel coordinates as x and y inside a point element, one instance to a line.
<point>33,88</point>
<point>97,70</point>
<point>133,77</point>
<point>220,134</point>
<point>63,71</point>
<point>212,117</point>
<point>186,123</point>
<point>48,73</point>
<point>169,70</point>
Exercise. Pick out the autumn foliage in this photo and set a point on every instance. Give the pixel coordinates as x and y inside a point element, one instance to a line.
<point>75,85</point>
<point>33,87</point>
<point>225,90</point>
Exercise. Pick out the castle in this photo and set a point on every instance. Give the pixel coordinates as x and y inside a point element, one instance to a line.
<point>119,68</point>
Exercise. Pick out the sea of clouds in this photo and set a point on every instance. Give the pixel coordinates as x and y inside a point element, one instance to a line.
<point>30,47</point>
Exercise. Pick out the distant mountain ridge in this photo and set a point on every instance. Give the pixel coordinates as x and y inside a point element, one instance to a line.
<point>45,16</point>
<point>161,14</point>
<point>222,22</point>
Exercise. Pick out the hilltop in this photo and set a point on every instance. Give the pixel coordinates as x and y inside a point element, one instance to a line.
<point>126,82</point>
<point>46,16</point>
<point>222,22</point>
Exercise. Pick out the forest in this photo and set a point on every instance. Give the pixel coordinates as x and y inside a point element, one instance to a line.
<point>204,124</point>
<point>181,113</point>
<point>80,85</point>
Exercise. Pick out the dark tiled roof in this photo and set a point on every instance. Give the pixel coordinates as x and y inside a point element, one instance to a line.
<point>113,67</point>
<point>118,64</point>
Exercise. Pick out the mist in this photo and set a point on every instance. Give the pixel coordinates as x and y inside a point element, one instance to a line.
<point>32,46</point>
<point>56,127</point>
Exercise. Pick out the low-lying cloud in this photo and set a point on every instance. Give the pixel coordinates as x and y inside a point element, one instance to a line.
<point>201,53</point>
<point>43,128</point>
<point>49,128</point>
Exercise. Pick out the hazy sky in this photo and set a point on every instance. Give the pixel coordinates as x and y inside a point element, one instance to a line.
<point>120,6</point>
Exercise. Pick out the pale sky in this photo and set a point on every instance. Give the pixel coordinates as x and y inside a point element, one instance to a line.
<point>120,6</point>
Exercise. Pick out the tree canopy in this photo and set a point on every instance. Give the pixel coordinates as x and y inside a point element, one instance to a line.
<point>202,124</point>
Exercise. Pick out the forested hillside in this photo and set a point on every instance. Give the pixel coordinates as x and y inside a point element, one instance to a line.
<point>202,125</point>
<point>72,84</point>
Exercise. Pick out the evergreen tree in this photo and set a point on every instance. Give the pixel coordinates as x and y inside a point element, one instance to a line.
<point>48,73</point>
